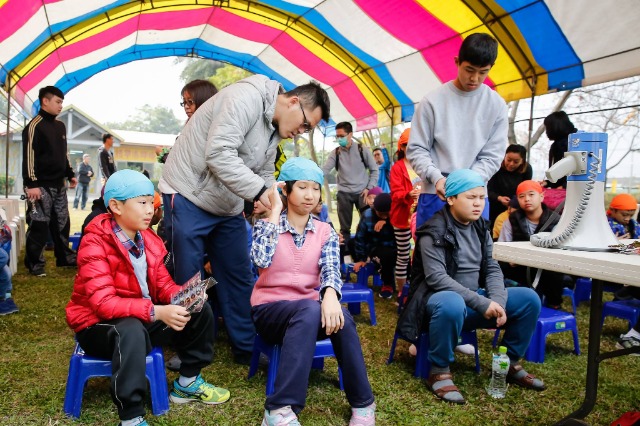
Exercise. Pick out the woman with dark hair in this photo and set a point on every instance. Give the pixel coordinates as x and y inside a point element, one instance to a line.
<point>558,128</point>
<point>195,93</point>
<point>502,186</point>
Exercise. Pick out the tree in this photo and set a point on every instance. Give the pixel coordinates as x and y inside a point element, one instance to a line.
<point>154,119</point>
<point>608,107</point>
<point>198,69</point>
<point>227,75</point>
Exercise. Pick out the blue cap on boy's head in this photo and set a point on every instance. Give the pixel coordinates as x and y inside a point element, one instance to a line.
<point>460,181</point>
<point>125,184</point>
<point>299,168</point>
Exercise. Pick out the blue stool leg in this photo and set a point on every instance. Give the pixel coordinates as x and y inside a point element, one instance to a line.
<point>274,360</point>
<point>73,392</point>
<point>496,337</point>
<point>354,308</point>
<point>157,382</point>
<point>422,357</point>
<point>576,343</point>
<point>372,308</point>
<point>340,378</point>
<point>393,348</point>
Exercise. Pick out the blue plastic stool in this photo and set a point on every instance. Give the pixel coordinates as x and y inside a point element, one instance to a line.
<point>363,274</point>
<point>74,240</point>
<point>354,294</point>
<point>571,294</point>
<point>83,367</point>
<point>551,321</point>
<point>582,290</point>
<point>323,350</point>
<point>422,356</point>
<point>403,297</point>
<point>625,309</point>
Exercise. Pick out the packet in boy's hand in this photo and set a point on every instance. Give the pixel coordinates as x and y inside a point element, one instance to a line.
<point>193,293</point>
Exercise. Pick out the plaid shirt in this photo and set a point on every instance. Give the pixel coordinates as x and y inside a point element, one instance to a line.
<point>265,240</point>
<point>135,246</point>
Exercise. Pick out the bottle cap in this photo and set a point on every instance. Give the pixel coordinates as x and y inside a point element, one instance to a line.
<point>502,349</point>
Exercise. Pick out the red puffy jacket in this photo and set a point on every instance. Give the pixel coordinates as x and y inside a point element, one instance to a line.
<point>401,201</point>
<point>106,286</point>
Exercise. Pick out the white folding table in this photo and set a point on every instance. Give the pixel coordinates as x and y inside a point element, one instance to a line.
<point>600,266</point>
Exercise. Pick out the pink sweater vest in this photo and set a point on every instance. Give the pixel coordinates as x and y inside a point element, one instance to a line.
<point>294,273</point>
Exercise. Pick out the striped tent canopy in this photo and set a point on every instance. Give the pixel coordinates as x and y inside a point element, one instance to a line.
<point>376,58</point>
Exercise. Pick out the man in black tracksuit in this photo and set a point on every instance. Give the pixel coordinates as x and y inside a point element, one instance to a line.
<point>45,166</point>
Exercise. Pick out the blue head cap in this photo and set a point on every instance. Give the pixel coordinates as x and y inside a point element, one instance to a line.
<point>299,168</point>
<point>125,184</point>
<point>462,180</point>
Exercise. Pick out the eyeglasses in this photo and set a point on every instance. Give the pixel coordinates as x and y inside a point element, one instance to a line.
<point>305,123</point>
<point>189,102</point>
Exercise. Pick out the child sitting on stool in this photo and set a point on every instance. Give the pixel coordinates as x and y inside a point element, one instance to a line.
<point>120,307</point>
<point>296,254</point>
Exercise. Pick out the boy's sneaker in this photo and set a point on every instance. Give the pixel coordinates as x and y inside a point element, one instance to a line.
<point>386,292</point>
<point>281,417</point>
<point>38,272</point>
<point>626,342</point>
<point>363,416</point>
<point>8,306</point>
<point>198,390</point>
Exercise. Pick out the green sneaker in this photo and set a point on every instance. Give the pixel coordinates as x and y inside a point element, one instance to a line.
<point>199,390</point>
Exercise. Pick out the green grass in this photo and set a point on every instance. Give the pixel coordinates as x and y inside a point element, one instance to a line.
<point>37,343</point>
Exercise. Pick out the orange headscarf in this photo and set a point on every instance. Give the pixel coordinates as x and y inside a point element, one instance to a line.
<point>623,202</point>
<point>529,185</point>
<point>404,137</point>
<point>157,201</point>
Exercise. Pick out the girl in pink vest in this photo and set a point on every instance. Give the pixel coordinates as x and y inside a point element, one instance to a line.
<point>298,291</point>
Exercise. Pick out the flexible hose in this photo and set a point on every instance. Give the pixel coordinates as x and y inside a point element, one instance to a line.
<point>549,242</point>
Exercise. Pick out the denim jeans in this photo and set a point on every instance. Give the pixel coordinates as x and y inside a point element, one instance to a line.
<point>196,232</point>
<point>295,324</point>
<point>5,274</point>
<point>448,315</point>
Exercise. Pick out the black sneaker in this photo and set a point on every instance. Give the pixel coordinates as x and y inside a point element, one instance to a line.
<point>38,272</point>
<point>386,292</point>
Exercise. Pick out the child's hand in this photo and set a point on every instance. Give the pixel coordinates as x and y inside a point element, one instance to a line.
<point>332,318</point>
<point>174,316</point>
<point>379,224</point>
<point>274,198</point>
<point>358,265</point>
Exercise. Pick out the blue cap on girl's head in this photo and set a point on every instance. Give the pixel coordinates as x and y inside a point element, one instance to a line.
<point>460,181</point>
<point>125,184</point>
<point>299,168</point>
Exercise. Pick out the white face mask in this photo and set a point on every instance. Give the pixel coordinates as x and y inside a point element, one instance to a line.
<point>342,141</point>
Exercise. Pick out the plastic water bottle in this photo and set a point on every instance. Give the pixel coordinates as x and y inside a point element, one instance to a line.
<point>499,368</point>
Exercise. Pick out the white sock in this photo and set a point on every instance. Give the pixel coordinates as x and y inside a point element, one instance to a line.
<point>185,381</point>
<point>132,422</point>
<point>633,333</point>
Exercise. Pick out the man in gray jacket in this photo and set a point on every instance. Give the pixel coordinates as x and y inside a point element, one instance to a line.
<point>351,161</point>
<point>223,157</point>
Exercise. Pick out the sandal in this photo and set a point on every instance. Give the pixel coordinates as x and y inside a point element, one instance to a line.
<point>518,376</point>
<point>446,391</point>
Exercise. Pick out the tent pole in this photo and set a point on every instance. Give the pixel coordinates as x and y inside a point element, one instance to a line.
<point>6,163</point>
<point>533,97</point>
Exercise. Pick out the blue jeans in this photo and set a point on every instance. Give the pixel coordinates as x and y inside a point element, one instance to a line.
<point>5,274</point>
<point>448,315</point>
<point>194,233</point>
<point>429,204</point>
<point>295,324</point>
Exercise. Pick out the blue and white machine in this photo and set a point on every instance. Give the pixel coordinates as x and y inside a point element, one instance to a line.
<point>583,225</point>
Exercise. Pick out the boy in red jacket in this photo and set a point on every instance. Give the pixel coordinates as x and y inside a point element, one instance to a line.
<point>121,302</point>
